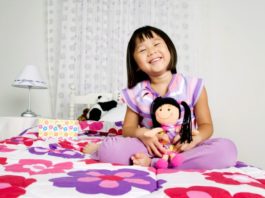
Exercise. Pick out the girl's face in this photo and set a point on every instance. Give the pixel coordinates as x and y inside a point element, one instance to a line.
<point>167,114</point>
<point>152,55</point>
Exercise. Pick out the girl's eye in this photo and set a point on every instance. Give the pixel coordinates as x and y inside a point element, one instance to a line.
<point>140,48</point>
<point>156,44</point>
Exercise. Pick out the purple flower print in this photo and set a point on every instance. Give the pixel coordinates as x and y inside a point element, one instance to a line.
<point>240,164</point>
<point>119,123</point>
<point>56,151</point>
<point>111,182</point>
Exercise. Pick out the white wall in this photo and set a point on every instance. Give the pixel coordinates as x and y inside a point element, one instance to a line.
<point>22,42</point>
<point>230,59</point>
<point>232,62</point>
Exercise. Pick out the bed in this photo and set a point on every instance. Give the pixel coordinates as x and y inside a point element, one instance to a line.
<point>37,166</point>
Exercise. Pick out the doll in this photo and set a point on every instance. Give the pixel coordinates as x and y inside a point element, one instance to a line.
<point>83,117</point>
<point>166,114</point>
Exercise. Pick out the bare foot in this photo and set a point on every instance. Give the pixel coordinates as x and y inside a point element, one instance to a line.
<point>90,148</point>
<point>141,159</point>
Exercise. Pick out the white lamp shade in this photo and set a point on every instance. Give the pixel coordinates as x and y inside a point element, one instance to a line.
<point>30,77</point>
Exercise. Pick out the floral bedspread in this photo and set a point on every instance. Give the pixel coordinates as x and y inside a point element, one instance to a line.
<point>32,167</point>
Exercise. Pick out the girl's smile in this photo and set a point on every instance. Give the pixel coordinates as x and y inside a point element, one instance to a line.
<point>155,60</point>
<point>152,55</point>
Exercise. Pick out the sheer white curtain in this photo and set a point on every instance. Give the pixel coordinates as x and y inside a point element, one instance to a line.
<point>87,42</point>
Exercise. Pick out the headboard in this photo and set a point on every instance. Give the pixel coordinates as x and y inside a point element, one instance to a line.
<point>89,99</point>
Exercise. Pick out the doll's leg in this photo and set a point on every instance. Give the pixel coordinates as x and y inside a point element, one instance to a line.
<point>211,154</point>
<point>119,149</point>
<point>175,160</point>
<point>162,163</point>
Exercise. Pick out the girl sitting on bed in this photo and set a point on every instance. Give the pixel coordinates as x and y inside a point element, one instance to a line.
<point>151,71</point>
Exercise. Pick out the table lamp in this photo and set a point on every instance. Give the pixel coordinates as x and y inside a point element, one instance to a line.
<point>29,78</point>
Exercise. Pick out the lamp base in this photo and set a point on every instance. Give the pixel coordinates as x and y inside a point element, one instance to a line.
<point>29,114</point>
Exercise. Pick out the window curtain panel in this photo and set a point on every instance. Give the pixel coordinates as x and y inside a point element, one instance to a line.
<point>87,42</point>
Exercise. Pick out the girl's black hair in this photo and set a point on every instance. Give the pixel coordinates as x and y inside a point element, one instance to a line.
<point>133,73</point>
<point>186,127</point>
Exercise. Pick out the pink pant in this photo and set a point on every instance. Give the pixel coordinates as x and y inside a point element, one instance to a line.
<point>210,154</point>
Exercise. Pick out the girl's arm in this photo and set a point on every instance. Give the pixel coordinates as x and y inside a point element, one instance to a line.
<point>131,124</point>
<point>203,116</point>
<point>204,122</point>
<point>131,129</point>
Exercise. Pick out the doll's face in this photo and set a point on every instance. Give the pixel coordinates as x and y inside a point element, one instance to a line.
<point>167,114</point>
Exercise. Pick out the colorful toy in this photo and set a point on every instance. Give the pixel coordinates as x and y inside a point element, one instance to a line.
<point>167,123</point>
<point>83,117</point>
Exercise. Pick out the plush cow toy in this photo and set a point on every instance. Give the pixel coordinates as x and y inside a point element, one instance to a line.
<point>103,105</point>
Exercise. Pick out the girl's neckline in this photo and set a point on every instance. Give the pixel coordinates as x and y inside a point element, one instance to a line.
<point>168,87</point>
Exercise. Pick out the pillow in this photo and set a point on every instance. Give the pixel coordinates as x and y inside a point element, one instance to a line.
<point>116,114</point>
<point>101,128</point>
<point>53,128</point>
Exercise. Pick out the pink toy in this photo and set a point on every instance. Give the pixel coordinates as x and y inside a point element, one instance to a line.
<point>167,122</point>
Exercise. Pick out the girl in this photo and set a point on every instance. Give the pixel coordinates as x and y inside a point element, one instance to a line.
<point>151,70</point>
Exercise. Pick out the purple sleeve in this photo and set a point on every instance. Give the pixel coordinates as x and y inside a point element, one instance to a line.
<point>197,89</point>
<point>129,97</point>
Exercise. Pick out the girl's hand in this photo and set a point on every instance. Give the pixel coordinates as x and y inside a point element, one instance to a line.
<point>151,141</point>
<point>196,139</point>
<point>153,132</point>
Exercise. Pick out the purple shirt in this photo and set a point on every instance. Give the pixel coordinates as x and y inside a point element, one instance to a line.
<point>181,88</point>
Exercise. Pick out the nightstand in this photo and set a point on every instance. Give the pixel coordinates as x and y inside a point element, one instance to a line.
<point>13,126</point>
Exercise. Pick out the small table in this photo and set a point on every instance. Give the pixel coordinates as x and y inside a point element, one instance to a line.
<point>13,126</point>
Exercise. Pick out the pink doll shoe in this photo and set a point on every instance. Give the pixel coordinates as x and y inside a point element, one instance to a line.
<point>176,161</point>
<point>162,164</point>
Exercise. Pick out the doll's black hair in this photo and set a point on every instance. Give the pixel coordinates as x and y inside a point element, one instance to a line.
<point>186,127</point>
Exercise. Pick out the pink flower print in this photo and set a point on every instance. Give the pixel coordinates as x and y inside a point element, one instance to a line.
<point>198,191</point>
<point>12,186</point>
<point>91,161</point>
<point>233,179</point>
<point>4,148</point>
<point>207,192</point>
<point>3,160</point>
<point>113,131</point>
<point>247,195</point>
<point>74,145</point>
<point>91,125</point>
<point>19,140</point>
<point>39,166</point>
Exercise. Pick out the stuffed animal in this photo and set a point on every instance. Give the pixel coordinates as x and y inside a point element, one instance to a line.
<point>166,114</point>
<point>102,106</point>
<point>83,117</point>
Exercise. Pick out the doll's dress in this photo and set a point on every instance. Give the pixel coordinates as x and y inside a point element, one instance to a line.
<point>171,130</point>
